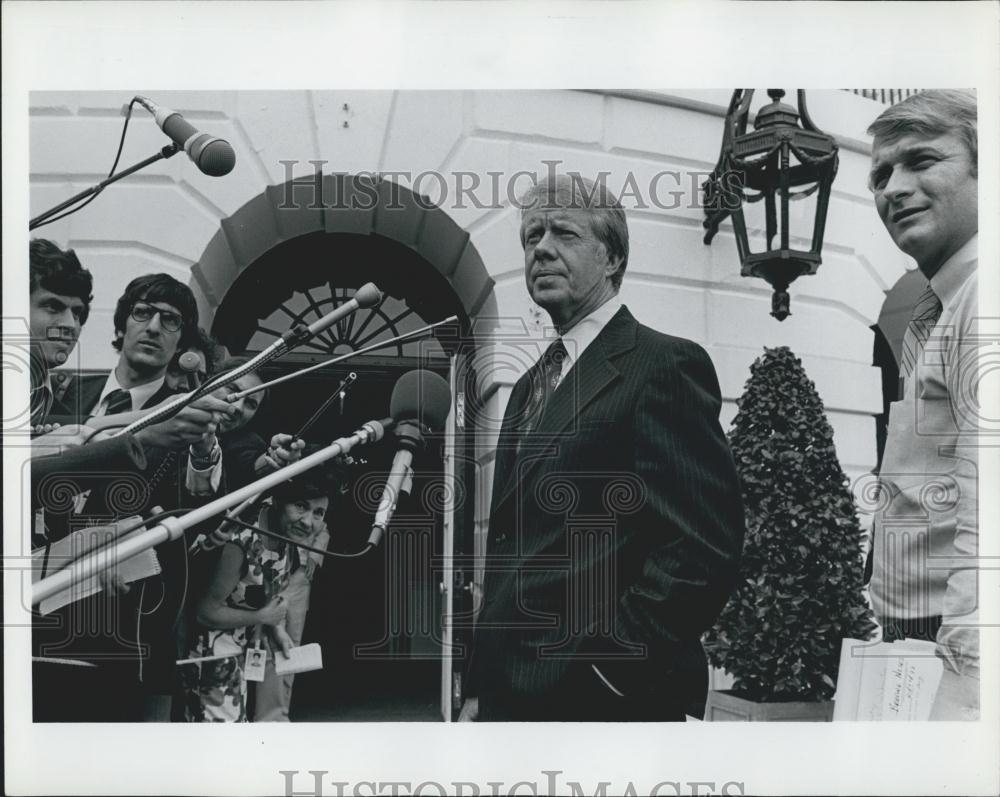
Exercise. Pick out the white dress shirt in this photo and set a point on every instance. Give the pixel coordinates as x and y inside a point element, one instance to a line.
<point>582,334</point>
<point>140,393</point>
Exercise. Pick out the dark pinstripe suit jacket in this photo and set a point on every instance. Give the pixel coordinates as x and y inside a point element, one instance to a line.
<point>615,534</point>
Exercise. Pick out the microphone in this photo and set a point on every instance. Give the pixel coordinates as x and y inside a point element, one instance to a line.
<point>172,528</point>
<point>213,156</point>
<point>189,363</point>
<point>366,296</point>
<point>420,400</point>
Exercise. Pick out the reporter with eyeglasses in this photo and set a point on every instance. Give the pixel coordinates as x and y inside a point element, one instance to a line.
<point>136,646</point>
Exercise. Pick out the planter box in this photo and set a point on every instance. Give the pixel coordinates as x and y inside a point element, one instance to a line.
<point>724,706</point>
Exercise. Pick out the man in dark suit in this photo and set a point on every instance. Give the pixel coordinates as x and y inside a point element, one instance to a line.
<point>616,522</point>
<point>155,315</point>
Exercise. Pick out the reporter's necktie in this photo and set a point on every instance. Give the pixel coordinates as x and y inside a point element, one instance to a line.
<point>118,400</point>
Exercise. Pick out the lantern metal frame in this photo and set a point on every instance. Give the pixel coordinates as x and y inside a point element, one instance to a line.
<point>757,166</point>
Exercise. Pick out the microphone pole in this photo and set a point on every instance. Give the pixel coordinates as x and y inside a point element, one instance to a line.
<point>400,479</point>
<point>213,539</point>
<point>366,296</point>
<point>174,528</point>
<point>167,152</point>
<point>333,361</point>
<point>421,400</point>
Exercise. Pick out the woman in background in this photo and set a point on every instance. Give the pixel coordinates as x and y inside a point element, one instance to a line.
<point>243,605</point>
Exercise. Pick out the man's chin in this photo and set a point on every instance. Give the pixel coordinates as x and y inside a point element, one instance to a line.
<point>56,355</point>
<point>548,300</point>
<point>147,361</point>
<point>913,242</point>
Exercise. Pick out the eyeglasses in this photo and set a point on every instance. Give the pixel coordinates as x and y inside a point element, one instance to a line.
<point>169,320</point>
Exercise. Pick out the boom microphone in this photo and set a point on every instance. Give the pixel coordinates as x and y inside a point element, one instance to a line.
<point>420,400</point>
<point>171,528</point>
<point>366,296</point>
<point>213,156</point>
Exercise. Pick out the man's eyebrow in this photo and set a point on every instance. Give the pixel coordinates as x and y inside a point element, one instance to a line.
<point>903,155</point>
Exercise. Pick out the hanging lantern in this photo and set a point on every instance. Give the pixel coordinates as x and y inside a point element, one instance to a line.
<point>779,162</point>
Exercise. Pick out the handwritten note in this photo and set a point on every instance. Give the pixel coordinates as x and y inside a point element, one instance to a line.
<point>886,681</point>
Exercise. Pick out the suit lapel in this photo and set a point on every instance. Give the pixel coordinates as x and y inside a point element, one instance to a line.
<point>506,453</point>
<point>590,376</point>
<point>158,397</point>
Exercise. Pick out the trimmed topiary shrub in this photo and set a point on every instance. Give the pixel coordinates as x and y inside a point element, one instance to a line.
<point>799,591</point>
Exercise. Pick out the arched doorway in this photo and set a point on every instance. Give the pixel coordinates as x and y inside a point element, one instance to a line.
<point>381,619</point>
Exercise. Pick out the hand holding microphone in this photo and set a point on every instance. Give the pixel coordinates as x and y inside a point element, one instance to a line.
<point>194,425</point>
<point>284,449</point>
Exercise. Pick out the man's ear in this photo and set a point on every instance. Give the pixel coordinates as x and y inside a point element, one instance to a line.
<point>614,263</point>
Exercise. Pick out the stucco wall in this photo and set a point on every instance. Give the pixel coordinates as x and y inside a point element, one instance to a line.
<point>163,217</point>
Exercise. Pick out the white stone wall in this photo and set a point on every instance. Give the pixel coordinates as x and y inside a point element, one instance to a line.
<point>163,217</point>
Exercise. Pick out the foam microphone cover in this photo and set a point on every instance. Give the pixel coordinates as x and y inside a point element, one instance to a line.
<point>213,156</point>
<point>368,295</point>
<point>422,396</point>
<point>189,362</point>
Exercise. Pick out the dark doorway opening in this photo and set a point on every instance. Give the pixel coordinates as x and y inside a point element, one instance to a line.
<point>378,617</point>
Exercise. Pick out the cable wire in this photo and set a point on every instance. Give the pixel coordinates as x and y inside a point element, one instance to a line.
<point>277,536</point>
<point>99,191</point>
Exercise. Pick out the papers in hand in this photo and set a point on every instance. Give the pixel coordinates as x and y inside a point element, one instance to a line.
<point>303,659</point>
<point>102,539</point>
<point>886,681</point>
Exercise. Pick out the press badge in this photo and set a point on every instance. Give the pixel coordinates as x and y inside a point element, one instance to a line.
<point>253,667</point>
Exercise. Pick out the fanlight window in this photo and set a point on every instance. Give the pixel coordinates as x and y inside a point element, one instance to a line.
<point>389,319</point>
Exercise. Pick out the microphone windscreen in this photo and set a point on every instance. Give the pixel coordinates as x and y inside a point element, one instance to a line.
<point>422,396</point>
<point>189,362</point>
<point>216,158</point>
<point>368,295</point>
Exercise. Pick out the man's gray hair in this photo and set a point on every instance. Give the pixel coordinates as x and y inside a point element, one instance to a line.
<point>574,192</point>
<point>931,113</point>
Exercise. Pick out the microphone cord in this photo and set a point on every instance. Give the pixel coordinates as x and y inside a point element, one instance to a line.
<point>92,197</point>
<point>277,536</point>
<point>96,432</point>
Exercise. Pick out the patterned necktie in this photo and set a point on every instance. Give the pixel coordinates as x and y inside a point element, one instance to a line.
<point>544,380</point>
<point>925,315</point>
<point>118,401</point>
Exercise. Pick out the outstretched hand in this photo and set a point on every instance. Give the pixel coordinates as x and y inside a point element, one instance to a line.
<point>284,450</point>
<point>195,425</point>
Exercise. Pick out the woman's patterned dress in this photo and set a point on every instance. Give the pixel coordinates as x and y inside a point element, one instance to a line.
<point>216,690</point>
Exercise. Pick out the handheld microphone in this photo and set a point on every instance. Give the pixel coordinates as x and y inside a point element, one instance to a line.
<point>213,156</point>
<point>420,400</point>
<point>366,296</point>
<point>190,363</point>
